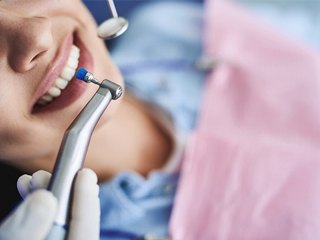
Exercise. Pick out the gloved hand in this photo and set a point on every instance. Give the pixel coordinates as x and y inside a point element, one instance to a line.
<point>34,217</point>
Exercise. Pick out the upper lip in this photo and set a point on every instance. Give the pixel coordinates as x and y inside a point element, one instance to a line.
<point>54,69</point>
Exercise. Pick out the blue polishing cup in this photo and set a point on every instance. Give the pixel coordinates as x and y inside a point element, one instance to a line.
<point>81,74</point>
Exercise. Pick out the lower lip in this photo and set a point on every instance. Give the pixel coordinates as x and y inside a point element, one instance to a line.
<point>75,88</point>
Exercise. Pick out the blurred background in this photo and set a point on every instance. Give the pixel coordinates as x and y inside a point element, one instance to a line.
<point>299,19</point>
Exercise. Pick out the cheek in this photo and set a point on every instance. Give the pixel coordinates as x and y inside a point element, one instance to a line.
<point>24,139</point>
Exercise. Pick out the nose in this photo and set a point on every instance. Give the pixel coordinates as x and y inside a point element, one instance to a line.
<point>26,40</point>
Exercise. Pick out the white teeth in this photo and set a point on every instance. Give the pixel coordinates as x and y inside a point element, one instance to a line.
<point>65,76</point>
<point>73,62</point>
<point>54,92</point>
<point>47,98</point>
<point>67,73</point>
<point>61,83</point>
<point>74,48</point>
<point>74,52</point>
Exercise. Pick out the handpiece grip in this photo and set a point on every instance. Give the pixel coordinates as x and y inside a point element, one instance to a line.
<point>72,154</point>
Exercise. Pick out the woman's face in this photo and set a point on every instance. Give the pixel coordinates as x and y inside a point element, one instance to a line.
<point>42,42</point>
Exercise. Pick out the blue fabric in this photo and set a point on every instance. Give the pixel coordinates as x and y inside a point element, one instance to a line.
<point>156,57</point>
<point>100,10</point>
<point>136,205</point>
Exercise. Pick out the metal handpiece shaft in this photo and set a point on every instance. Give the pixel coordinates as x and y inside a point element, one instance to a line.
<point>71,157</point>
<point>73,150</point>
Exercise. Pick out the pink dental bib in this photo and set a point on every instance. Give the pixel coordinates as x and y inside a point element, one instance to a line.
<point>252,168</point>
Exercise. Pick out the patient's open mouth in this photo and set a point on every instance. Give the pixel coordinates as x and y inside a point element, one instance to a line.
<point>59,88</point>
<point>64,78</point>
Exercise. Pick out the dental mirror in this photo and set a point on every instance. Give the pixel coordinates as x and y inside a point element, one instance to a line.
<point>112,27</point>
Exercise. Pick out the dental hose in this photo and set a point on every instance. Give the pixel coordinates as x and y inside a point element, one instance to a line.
<point>73,150</point>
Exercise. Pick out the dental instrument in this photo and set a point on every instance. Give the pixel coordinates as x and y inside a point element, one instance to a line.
<point>74,147</point>
<point>112,27</point>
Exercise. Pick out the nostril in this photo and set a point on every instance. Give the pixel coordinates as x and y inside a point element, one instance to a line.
<point>36,57</point>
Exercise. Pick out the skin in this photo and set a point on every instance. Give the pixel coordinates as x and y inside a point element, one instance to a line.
<point>31,35</point>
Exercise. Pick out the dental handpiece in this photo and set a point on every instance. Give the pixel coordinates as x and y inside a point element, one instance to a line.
<point>73,150</point>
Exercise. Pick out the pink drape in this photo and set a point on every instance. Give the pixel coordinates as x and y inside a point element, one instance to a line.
<point>252,167</point>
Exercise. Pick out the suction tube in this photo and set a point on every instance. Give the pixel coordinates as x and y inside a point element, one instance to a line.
<point>73,150</point>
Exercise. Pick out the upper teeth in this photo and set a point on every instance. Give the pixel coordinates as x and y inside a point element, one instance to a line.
<point>65,76</point>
